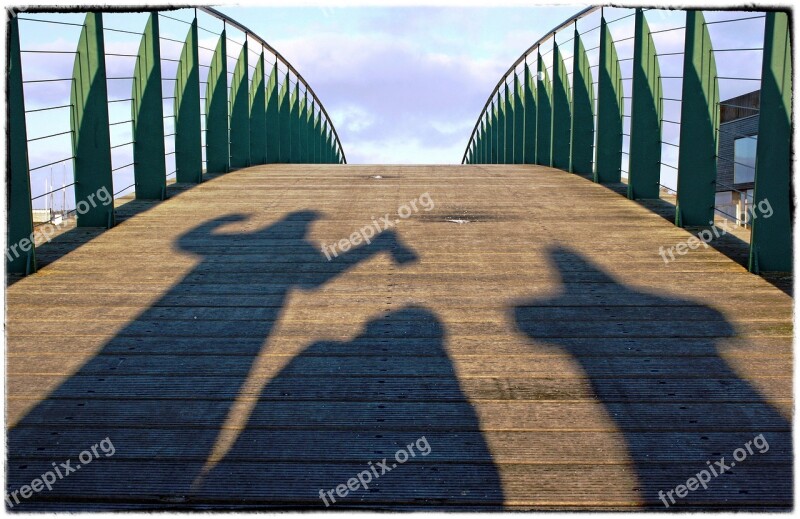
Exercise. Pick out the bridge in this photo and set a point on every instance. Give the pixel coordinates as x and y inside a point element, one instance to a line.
<point>277,329</point>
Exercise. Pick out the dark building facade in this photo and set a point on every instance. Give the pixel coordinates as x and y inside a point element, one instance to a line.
<point>738,136</point>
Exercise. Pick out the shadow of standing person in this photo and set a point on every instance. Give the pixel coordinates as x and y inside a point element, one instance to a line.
<point>676,409</point>
<point>161,389</point>
<point>361,424</point>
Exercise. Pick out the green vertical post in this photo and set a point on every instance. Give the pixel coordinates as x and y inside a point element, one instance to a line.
<point>324,158</point>
<point>644,170</point>
<point>217,137</point>
<point>294,125</point>
<point>508,104</point>
<point>544,113</point>
<point>284,125</point>
<point>582,111</point>
<point>273,117</point>
<point>561,124</point>
<point>258,115</point>
<point>519,121</point>
<point>309,130</point>
<point>495,156</point>
<point>697,154</point>
<point>530,117</point>
<point>188,141</point>
<point>484,141</point>
<point>609,111</point>
<point>771,238</point>
<point>20,253</point>
<point>315,133</point>
<point>501,129</point>
<point>302,137</point>
<point>91,143</point>
<point>147,113</point>
<point>240,112</point>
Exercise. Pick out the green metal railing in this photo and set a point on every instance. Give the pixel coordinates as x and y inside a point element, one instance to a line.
<point>594,122</point>
<point>198,115</point>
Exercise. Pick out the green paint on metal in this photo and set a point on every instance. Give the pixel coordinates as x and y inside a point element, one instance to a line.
<point>508,129</point>
<point>240,112</point>
<point>20,253</point>
<point>317,131</point>
<point>147,113</point>
<point>217,137</point>
<point>484,142</point>
<point>644,169</point>
<point>543,112</point>
<point>91,144</point>
<point>697,163</point>
<point>582,110</point>
<point>284,116</point>
<point>188,141</point>
<point>519,122</point>
<point>325,158</point>
<point>530,117</point>
<point>310,133</point>
<point>493,136</point>
<point>501,129</point>
<point>258,115</point>
<point>302,129</point>
<point>273,118</point>
<point>561,124</point>
<point>294,125</point>
<point>609,111</point>
<point>771,239</point>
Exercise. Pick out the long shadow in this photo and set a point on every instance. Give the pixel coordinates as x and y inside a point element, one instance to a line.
<point>161,389</point>
<point>339,410</point>
<point>677,408</point>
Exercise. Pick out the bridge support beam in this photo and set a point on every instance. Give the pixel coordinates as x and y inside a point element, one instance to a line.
<point>283,118</point>
<point>529,142</point>
<point>294,125</point>
<point>582,132</point>
<point>493,134</point>
<point>508,128</point>
<point>217,137</point>
<point>273,117</point>
<point>697,158</point>
<point>91,143</point>
<point>771,238</point>
<point>519,121</point>
<point>258,115</point>
<point>543,113</point>
<point>240,112</point>
<point>20,253</point>
<point>302,136</point>
<point>562,115</point>
<point>147,113</point>
<point>609,111</point>
<point>644,170</point>
<point>188,141</point>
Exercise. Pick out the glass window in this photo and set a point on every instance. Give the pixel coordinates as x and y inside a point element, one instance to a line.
<point>744,155</point>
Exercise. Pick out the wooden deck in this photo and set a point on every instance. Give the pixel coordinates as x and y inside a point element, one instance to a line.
<point>526,327</point>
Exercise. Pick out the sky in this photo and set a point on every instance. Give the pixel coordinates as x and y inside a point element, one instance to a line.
<point>401,84</point>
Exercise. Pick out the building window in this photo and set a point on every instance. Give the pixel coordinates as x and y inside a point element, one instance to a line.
<point>744,155</point>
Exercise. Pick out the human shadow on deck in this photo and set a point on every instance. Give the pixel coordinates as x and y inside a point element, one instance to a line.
<point>163,387</point>
<point>654,364</point>
<point>364,413</point>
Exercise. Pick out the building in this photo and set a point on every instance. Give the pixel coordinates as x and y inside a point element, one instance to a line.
<point>738,136</point>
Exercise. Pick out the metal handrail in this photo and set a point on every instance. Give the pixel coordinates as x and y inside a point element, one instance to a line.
<point>512,68</point>
<point>213,12</point>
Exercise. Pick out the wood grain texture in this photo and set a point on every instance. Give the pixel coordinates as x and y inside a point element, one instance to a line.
<point>525,325</point>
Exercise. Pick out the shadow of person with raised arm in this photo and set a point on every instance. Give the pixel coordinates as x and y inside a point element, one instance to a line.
<point>161,389</point>
<point>654,364</point>
<point>375,423</point>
